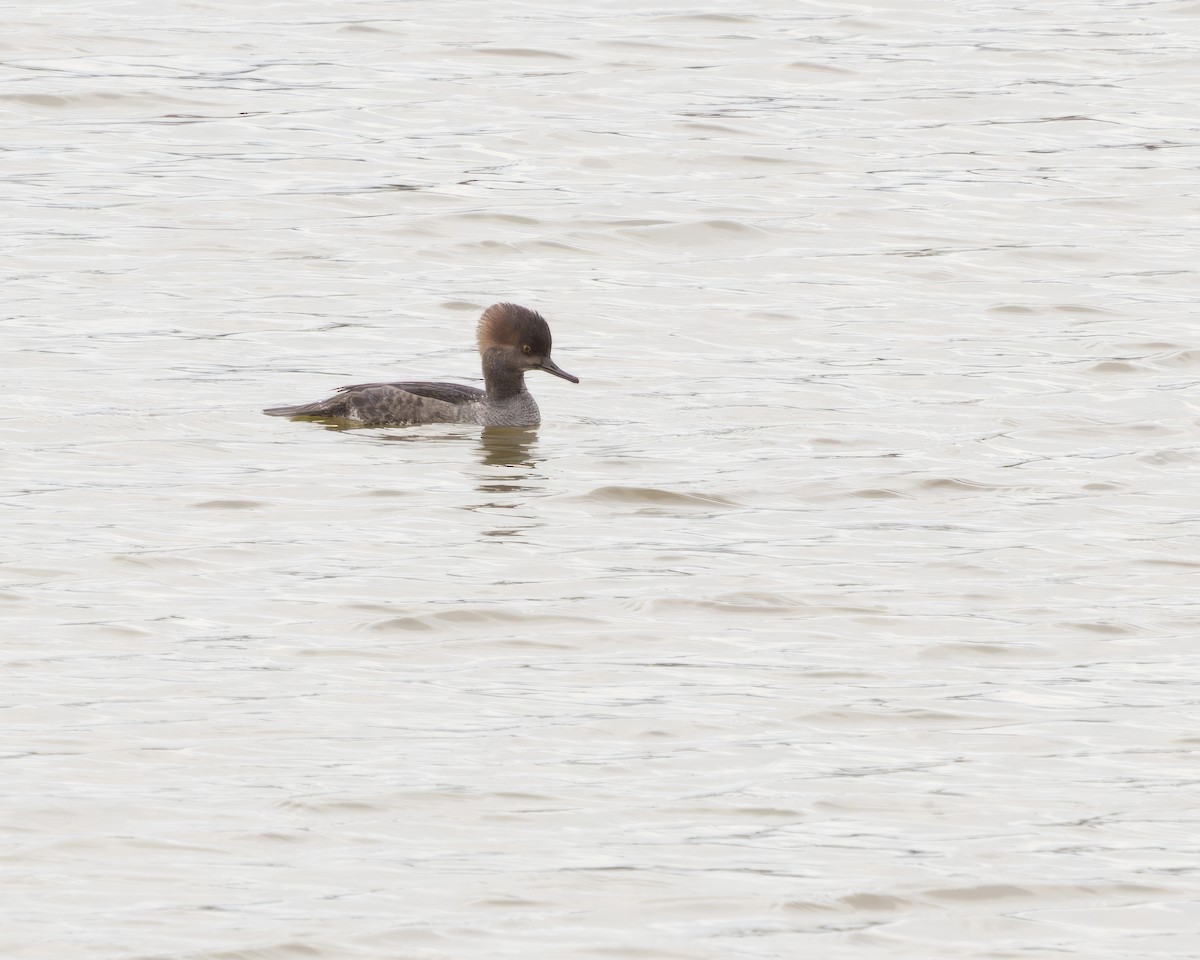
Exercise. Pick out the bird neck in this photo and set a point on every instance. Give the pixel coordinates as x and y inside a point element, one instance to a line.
<point>502,379</point>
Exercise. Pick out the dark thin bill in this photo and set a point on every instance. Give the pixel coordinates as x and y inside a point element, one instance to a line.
<point>551,367</point>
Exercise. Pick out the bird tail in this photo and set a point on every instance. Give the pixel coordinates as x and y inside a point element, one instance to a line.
<point>301,410</point>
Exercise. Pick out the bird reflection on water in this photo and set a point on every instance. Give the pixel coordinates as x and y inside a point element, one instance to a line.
<point>508,446</point>
<point>507,453</point>
<point>498,446</point>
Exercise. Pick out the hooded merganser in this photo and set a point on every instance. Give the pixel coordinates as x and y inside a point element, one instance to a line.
<point>511,339</point>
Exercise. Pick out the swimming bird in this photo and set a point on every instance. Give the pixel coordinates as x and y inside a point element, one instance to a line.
<point>512,340</point>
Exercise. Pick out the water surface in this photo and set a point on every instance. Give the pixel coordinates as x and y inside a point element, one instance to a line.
<point>845,609</point>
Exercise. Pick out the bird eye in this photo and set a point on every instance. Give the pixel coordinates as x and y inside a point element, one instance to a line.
<point>527,349</point>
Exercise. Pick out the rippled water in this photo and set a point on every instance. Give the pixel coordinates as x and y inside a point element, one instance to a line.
<point>847,608</point>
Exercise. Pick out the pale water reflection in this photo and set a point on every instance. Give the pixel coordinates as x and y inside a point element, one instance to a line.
<point>845,609</point>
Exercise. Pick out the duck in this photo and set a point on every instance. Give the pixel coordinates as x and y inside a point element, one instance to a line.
<point>512,340</point>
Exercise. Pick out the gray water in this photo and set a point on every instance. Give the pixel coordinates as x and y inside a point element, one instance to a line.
<point>846,608</point>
